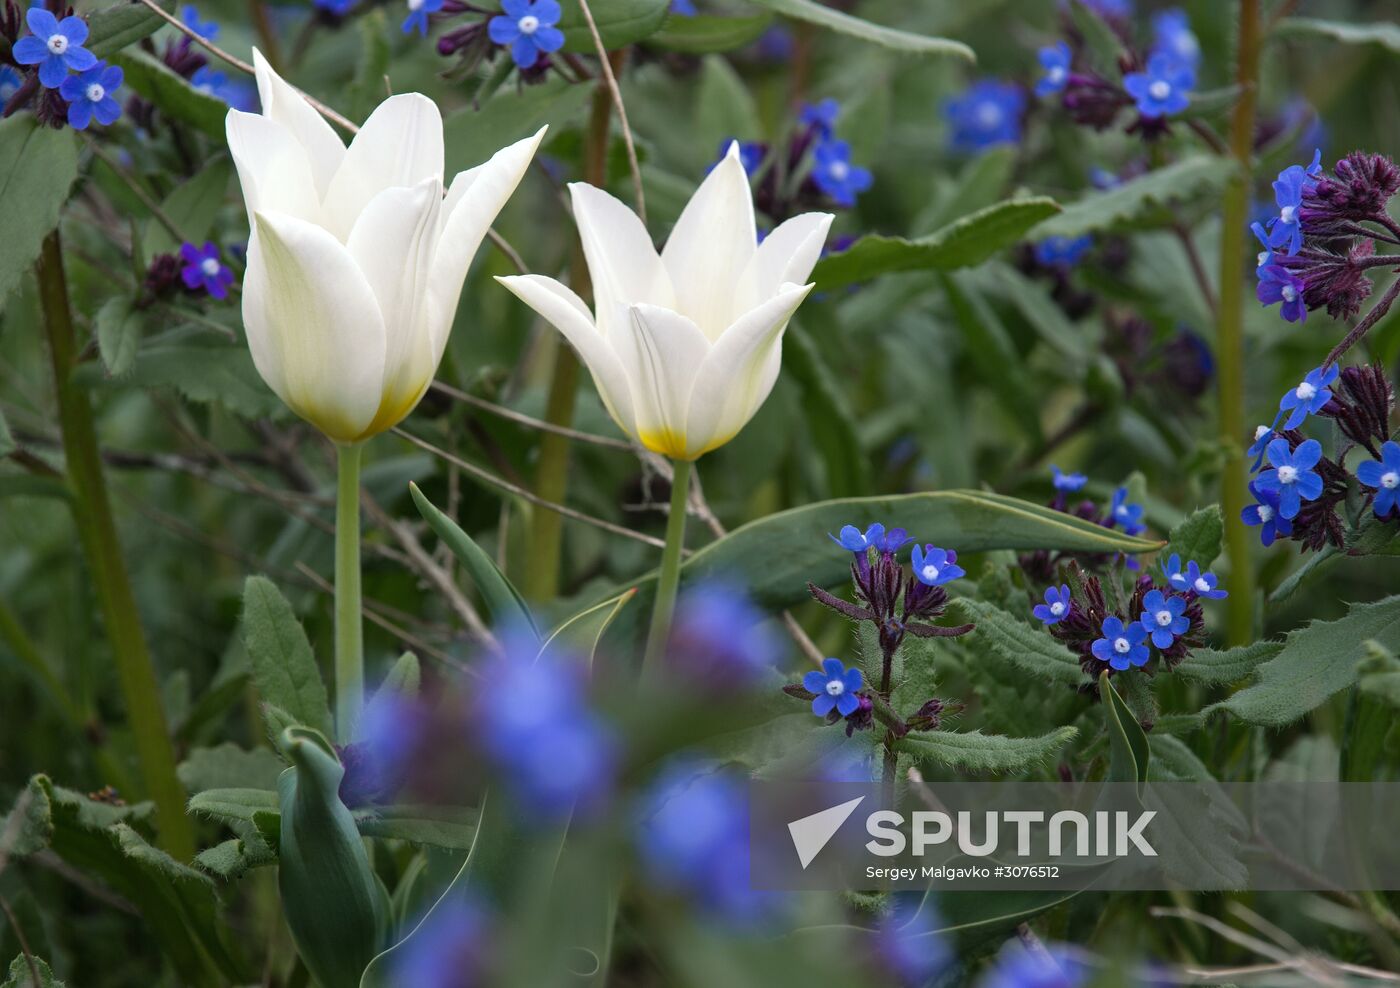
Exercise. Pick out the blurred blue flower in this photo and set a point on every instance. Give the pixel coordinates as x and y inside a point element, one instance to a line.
<point>934,567</point>
<point>55,46</point>
<point>751,155</point>
<point>1017,967</point>
<point>389,743</point>
<point>821,116</point>
<point>1172,36</point>
<point>1055,60</point>
<point>89,95</point>
<point>1058,602</point>
<point>448,949</point>
<point>417,19</point>
<point>1164,618</point>
<point>1111,8</point>
<point>1384,476</point>
<point>911,942</point>
<point>1121,647</point>
<point>1265,515</point>
<point>1122,513</point>
<point>235,92</point>
<point>339,8</point>
<point>720,637</point>
<point>987,113</point>
<point>1062,251</point>
<point>1292,477</point>
<point>1067,483</point>
<point>1300,115</point>
<point>10,81</point>
<point>1279,284</point>
<point>1163,89</point>
<point>1310,396</point>
<point>204,269</point>
<point>835,686</point>
<point>836,176</point>
<point>686,8</point>
<point>1286,229</point>
<point>1102,178</point>
<point>527,26</point>
<point>208,30</point>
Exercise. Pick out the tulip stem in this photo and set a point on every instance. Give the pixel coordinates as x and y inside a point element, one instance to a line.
<point>669,578</point>
<point>349,629</point>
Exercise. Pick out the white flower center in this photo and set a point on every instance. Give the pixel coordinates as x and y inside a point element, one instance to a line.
<point>210,267</point>
<point>1164,618</point>
<point>1057,74</point>
<point>1261,431</point>
<point>1289,293</point>
<point>1122,646</point>
<point>58,44</point>
<point>834,687</point>
<point>930,572</point>
<point>528,24</point>
<point>1304,391</point>
<point>1201,585</point>
<point>1159,90</point>
<point>1263,258</point>
<point>1266,513</point>
<point>1288,214</point>
<point>1390,480</point>
<point>95,93</point>
<point>1057,608</point>
<point>839,170</point>
<point>1287,475</point>
<point>988,115</point>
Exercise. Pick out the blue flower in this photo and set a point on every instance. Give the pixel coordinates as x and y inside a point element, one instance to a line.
<point>1263,435</point>
<point>89,95</point>
<point>417,19</point>
<point>1310,396</point>
<point>1055,60</point>
<point>1278,284</point>
<point>1102,178</point>
<point>55,46</point>
<point>1121,647</point>
<point>1172,36</point>
<point>1017,967</point>
<point>1199,582</point>
<point>1292,183</point>
<point>235,93</point>
<point>1062,251</point>
<point>1111,8</point>
<point>1056,607</point>
<point>1384,476</point>
<point>820,116</point>
<point>934,567</point>
<point>10,81</point>
<point>911,939</point>
<point>988,113</point>
<point>1163,618</point>
<point>1163,89</point>
<point>1265,256</point>
<point>1067,483</point>
<point>721,637</point>
<point>836,176</point>
<point>1292,477</point>
<point>204,269</point>
<point>1265,515</point>
<point>851,538</point>
<point>835,687</point>
<point>339,8</point>
<point>208,30</point>
<point>686,8</point>
<point>751,155</point>
<point>527,26</point>
<point>449,947</point>
<point>1120,512</point>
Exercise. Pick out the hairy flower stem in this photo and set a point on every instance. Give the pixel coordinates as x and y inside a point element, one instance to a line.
<point>1354,337</point>
<point>668,581</point>
<point>349,626</point>
<point>97,532</point>
<point>1230,330</point>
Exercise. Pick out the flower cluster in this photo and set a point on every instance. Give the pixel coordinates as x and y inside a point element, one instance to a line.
<point>1157,82</point>
<point>50,67</point>
<point>719,639</point>
<point>1119,513</point>
<point>986,114</point>
<point>525,28</point>
<point>1298,491</point>
<point>1320,247</point>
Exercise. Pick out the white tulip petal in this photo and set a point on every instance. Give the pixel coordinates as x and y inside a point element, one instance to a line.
<point>786,256</point>
<point>399,145</point>
<point>567,313</point>
<point>272,166</point>
<point>622,260</point>
<point>283,104</point>
<point>313,325</point>
<point>739,372</point>
<point>661,357</point>
<point>472,205</point>
<point>393,243</point>
<point>711,245</point>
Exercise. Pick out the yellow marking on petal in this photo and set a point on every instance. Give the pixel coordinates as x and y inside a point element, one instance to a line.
<point>666,442</point>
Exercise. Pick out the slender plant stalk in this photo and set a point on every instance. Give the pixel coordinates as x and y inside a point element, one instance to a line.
<point>97,532</point>
<point>349,626</point>
<point>1230,334</point>
<point>670,577</point>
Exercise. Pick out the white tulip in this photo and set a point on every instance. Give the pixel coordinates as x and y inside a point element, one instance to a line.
<point>356,259</point>
<point>683,346</point>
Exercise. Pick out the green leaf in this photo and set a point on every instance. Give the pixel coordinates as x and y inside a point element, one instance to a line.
<point>990,349</point>
<point>123,23</point>
<point>471,136</point>
<point>965,242</point>
<point>1379,674</point>
<point>335,907</point>
<point>7,441</point>
<point>582,632</point>
<point>826,405</point>
<point>1142,201</point>
<point>978,752</point>
<point>172,94</point>
<point>450,827</point>
<point>192,207</point>
<point>1028,650</point>
<point>22,974</point>
<point>503,602</point>
<point>202,369</point>
<point>1211,101</point>
<point>405,677</point>
<point>235,857</point>
<point>234,806</point>
<point>229,767</point>
<point>725,108</point>
<point>1197,538</point>
<point>37,167</point>
<point>834,20</point>
<point>1212,668</point>
<point>620,23</point>
<point>1315,662</point>
<point>284,667</point>
<point>1100,39</point>
<point>1076,344</point>
<point>702,35</point>
<point>1377,32</point>
<point>118,335</point>
<point>1130,756</point>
